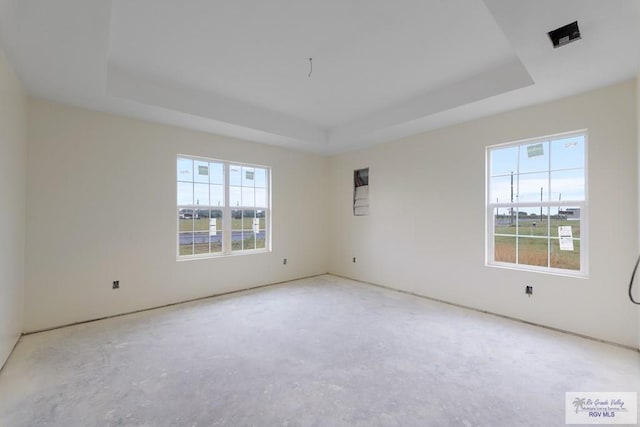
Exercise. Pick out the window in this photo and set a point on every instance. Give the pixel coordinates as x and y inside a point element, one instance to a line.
<point>361,192</point>
<point>222,207</point>
<point>537,204</point>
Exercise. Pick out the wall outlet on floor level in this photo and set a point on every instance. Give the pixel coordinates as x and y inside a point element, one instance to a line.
<point>354,259</point>
<point>528,290</point>
<point>116,284</point>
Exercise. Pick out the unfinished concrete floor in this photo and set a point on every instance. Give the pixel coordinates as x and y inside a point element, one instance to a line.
<point>322,351</point>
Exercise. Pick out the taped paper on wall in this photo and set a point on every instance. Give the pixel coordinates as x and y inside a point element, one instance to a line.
<point>566,237</point>
<point>535,150</point>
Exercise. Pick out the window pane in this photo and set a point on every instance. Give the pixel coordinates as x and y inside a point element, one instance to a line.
<point>201,171</point>
<point>185,231</point>
<point>533,187</point>
<point>501,190</point>
<point>235,175</point>
<point>217,195</point>
<point>235,196</point>
<point>532,221</point>
<point>565,217</point>
<point>201,243</point>
<point>504,221</point>
<point>505,249</point>
<point>249,243</point>
<point>248,197</point>
<point>532,251</point>
<point>185,245</point>
<point>236,230</point>
<point>534,157</point>
<point>185,193</point>
<point>562,256</point>
<point>249,240</point>
<point>200,219</point>
<point>201,195</point>
<point>261,178</point>
<point>568,185</point>
<point>504,161</point>
<point>216,171</point>
<point>261,229</point>
<point>249,230</point>
<point>215,230</point>
<point>568,153</point>
<point>261,198</point>
<point>185,220</point>
<point>185,169</point>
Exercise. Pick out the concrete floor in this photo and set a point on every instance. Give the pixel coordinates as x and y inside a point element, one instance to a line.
<point>316,352</point>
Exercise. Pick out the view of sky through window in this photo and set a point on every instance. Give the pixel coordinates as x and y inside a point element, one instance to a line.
<point>553,173</point>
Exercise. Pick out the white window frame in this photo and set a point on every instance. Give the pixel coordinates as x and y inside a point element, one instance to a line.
<point>582,204</point>
<point>227,220</point>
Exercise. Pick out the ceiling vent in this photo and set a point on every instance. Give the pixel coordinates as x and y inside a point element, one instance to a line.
<point>565,35</point>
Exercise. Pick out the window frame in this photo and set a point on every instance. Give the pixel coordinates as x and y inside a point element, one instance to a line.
<point>548,204</point>
<point>227,220</point>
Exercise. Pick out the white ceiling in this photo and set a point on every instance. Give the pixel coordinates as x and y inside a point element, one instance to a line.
<point>381,70</point>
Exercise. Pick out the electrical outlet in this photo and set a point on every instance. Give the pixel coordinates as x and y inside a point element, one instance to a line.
<point>116,284</point>
<point>528,290</point>
<point>284,261</point>
<point>354,259</point>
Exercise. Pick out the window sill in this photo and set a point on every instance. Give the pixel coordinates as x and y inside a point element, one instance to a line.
<point>543,270</point>
<point>181,258</point>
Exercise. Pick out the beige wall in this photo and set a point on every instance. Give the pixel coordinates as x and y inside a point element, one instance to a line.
<point>101,202</point>
<point>426,228</point>
<point>13,162</point>
<point>101,207</point>
<point>637,284</point>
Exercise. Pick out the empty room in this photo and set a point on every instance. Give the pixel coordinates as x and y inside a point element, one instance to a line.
<point>319,213</point>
